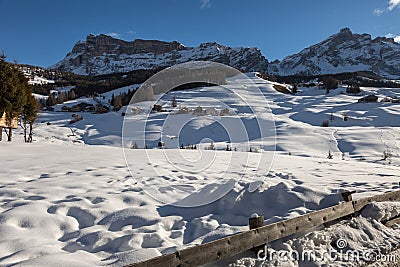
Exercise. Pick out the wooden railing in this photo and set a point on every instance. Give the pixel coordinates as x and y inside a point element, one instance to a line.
<point>238,243</point>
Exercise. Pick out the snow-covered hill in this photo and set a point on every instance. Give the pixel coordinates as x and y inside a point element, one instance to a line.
<point>68,199</point>
<point>344,52</point>
<point>104,54</point>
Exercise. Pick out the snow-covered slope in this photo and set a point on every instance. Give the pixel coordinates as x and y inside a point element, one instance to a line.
<point>103,54</point>
<point>344,52</point>
<point>68,199</point>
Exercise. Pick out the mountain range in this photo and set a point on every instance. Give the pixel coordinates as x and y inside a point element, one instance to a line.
<point>102,54</point>
<point>342,52</point>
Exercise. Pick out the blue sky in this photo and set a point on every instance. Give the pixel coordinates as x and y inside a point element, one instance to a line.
<point>41,32</point>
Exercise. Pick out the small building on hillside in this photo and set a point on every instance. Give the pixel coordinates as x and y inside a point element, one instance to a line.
<point>157,108</point>
<point>225,112</point>
<point>368,99</point>
<point>183,110</point>
<point>3,122</point>
<point>76,108</point>
<point>198,111</point>
<point>211,111</point>
<point>101,109</point>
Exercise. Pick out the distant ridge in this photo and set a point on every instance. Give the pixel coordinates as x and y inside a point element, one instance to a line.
<point>344,52</point>
<point>103,54</point>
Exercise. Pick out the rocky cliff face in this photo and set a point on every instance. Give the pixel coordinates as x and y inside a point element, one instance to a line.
<point>100,44</point>
<point>344,52</point>
<point>103,54</point>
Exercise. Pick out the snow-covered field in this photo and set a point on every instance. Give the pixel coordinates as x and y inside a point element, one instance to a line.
<point>69,198</point>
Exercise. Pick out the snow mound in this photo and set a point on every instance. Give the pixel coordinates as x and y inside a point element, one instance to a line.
<point>382,211</point>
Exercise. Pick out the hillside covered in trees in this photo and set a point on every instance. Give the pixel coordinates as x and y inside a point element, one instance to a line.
<point>92,85</point>
<point>362,78</point>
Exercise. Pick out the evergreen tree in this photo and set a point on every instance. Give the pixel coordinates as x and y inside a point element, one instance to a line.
<point>174,102</point>
<point>62,97</point>
<point>51,100</point>
<point>112,100</point>
<point>72,95</point>
<point>13,92</point>
<point>117,103</point>
<point>135,146</point>
<point>294,88</point>
<point>16,98</point>
<point>329,83</point>
<point>3,84</point>
<point>29,114</point>
<point>353,89</point>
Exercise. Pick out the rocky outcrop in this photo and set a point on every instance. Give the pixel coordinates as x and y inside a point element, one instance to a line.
<point>344,52</point>
<point>102,54</point>
<point>104,44</point>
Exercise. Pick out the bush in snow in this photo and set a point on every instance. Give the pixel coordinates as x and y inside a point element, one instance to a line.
<point>75,118</point>
<point>345,116</point>
<point>386,155</point>
<point>255,149</point>
<point>211,147</point>
<point>135,146</point>
<point>325,123</point>
<point>331,117</point>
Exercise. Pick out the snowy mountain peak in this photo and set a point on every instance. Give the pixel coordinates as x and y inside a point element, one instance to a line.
<point>344,52</point>
<point>103,54</point>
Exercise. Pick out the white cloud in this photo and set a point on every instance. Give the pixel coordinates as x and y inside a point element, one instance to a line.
<point>114,34</point>
<point>205,3</point>
<point>378,11</point>
<point>131,32</point>
<point>395,37</point>
<point>393,4</point>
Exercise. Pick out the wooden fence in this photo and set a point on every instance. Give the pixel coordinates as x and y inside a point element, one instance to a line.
<point>238,243</point>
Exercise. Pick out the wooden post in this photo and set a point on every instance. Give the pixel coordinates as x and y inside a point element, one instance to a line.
<point>256,221</point>
<point>347,196</point>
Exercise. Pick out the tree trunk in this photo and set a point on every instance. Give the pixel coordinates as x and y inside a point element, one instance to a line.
<point>30,132</point>
<point>25,134</point>
<point>9,135</point>
<point>1,133</point>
